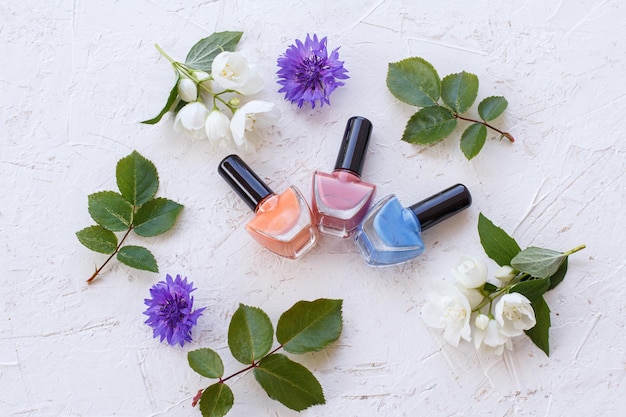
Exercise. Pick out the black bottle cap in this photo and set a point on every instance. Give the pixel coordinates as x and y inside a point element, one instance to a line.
<point>442,205</point>
<point>243,180</point>
<point>354,145</point>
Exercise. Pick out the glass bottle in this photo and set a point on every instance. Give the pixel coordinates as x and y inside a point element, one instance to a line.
<point>391,234</point>
<point>340,199</point>
<point>282,222</point>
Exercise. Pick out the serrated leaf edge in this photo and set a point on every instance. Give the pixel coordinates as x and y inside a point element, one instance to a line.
<point>428,64</point>
<point>333,307</point>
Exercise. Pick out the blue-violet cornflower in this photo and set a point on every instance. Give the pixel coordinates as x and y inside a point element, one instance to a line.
<point>170,310</point>
<point>308,73</point>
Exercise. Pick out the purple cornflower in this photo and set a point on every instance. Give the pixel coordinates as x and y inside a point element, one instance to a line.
<point>308,73</point>
<point>170,310</point>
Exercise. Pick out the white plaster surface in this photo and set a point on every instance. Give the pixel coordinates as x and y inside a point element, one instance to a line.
<point>76,78</point>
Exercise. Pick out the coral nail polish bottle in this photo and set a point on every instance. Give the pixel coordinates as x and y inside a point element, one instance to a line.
<point>282,222</point>
<point>341,199</point>
<point>390,233</point>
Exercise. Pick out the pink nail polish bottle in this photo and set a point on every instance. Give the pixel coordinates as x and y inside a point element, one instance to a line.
<point>340,198</point>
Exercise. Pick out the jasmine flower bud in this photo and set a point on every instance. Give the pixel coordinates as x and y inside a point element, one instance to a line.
<point>481,321</point>
<point>201,76</point>
<point>218,127</point>
<point>192,119</point>
<point>187,90</point>
<point>506,274</point>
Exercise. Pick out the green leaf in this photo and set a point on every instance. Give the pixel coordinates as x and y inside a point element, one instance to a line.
<point>414,81</point>
<point>473,140</point>
<point>498,245</point>
<point>202,54</point>
<point>156,216</point>
<point>492,107</point>
<point>216,400</point>
<point>489,288</point>
<point>532,288</point>
<point>459,91</point>
<point>429,125</point>
<point>98,239</point>
<point>250,334</point>
<point>540,333</point>
<point>288,382</point>
<point>171,98</point>
<point>137,178</point>
<point>538,262</point>
<point>206,362</point>
<point>310,325</point>
<point>110,210</point>
<point>137,257</point>
<point>558,276</point>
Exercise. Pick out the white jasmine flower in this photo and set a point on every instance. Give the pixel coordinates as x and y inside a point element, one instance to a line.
<point>490,336</point>
<point>252,117</point>
<point>505,274</point>
<point>470,272</point>
<point>231,71</point>
<point>192,118</point>
<point>473,295</point>
<point>514,314</point>
<point>218,127</point>
<point>187,90</point>
<point>448,309</point>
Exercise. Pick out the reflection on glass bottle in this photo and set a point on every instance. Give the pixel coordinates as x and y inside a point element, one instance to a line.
<point>282,222</point>
<point>391,234</point>
<point>340,198</point>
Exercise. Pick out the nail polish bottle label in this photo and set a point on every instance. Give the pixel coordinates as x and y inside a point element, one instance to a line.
<point>283,224</point>
<point>389,234</point>
<point>340,201</point>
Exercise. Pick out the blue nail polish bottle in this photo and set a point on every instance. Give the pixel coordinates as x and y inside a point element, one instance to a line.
<point>391,234</point>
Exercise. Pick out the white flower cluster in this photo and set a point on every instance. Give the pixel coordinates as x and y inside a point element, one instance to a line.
<point>463,309</point>
<point>230,77</point>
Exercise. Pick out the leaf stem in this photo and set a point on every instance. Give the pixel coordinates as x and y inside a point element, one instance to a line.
<point>117,249</point>
<point>576,249</point>
<point>482,122</point>
<point>491,297</point>
<point>169,58</point>
<point>253,365</point>
<point>183,69</point>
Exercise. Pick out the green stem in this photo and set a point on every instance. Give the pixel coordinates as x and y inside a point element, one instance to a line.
<point>169,58</point>
<point>254,365</point>
<point>482,122</point>
<point>117,249</point>
<point>576,249</point>
<point>183,69</point>
<point>490,297</point>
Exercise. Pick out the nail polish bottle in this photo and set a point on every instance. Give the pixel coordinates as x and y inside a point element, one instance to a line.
<point>390,233</point>
<point>282,222</point>
<point>340,199</point>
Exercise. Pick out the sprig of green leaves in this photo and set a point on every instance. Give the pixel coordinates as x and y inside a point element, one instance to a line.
<point>308,326</point>
<point>442,102</point>
<point>537,270</point>
<point>133,208</point>
<point>199,58</point>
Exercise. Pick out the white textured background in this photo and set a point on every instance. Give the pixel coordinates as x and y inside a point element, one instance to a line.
<point>77,77</point>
